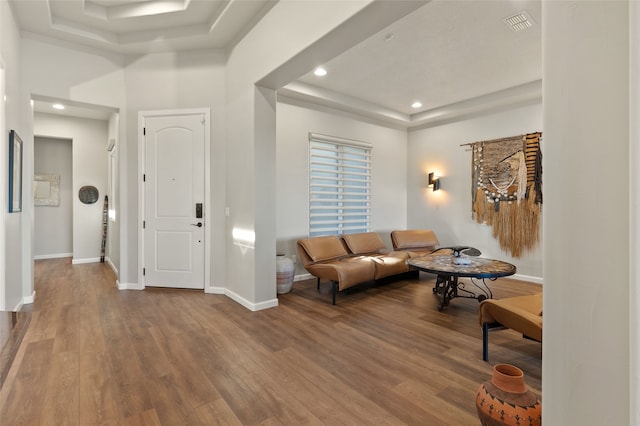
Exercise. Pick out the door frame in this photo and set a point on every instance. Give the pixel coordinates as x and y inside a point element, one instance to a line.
<point>142,116</point>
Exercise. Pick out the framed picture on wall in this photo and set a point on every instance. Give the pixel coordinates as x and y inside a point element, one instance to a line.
<point>46,190</point>
<point>15,172</point>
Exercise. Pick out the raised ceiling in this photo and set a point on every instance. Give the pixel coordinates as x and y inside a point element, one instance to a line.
<point>455,57</point>
<point>451,56</point>
<point>142,26</point>
<point>442,53</point>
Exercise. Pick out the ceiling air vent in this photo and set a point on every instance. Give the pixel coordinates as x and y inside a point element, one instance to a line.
<point>520,21</point>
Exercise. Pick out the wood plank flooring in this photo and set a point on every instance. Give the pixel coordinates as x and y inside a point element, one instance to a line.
<point>13,326</point>
<point>384,355</point>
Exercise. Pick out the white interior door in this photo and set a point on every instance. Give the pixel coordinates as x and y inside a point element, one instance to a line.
<point>174,201</point>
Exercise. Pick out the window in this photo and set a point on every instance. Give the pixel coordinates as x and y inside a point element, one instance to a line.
<point>339,185</point>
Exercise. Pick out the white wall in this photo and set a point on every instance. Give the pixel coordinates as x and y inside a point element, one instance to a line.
<point>634,201</point>
<point>288,28</point>
<point>11,284</point>
<point>54,224</point>
<point>173,81</point>
<point>448,211</point>
<point>89,168</point>
<point>153,82</point>
<point>586,368</point>
<point>389,182</point>
<point>288,42</point>
<point>3,190</point>
<point>113,184</point>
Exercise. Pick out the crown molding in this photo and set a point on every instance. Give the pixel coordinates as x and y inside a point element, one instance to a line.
<point>516,96</point>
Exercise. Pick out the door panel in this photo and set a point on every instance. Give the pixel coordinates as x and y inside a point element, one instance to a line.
<point>174,251</point>
<point>174,184</point>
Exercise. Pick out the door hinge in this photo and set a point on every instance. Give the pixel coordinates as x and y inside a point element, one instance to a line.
<point>144,224</point>
<point>144,271</point>
<point>144,131</point>
<point>144,177</point>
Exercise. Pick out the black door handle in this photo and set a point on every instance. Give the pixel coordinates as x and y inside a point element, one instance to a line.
<point>199,224</point>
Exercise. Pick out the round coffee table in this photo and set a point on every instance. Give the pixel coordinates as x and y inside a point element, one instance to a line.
<point>449,268</point>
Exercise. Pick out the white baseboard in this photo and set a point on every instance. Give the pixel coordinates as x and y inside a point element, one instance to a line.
<point>30,299</point>
<point>113,267</point>
<point>250,305</point>
<point>214,290</point>
<point>52,256</point>
<point>27,300</point>
<point>241,300</point>
<point>303,277</point>
<point>527,278</point>
<point>87,260</point>
<point>129,286</point>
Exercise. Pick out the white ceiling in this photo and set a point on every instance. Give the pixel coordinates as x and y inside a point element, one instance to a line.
<point>456,57</point>
<point>44,104</point>
<point>142,26</point>
<point>445,52</point>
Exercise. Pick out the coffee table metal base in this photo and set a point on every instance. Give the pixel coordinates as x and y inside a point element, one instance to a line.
<point>448,287</point>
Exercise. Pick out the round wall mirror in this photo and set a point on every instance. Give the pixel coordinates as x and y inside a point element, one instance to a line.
<point>88,194</point>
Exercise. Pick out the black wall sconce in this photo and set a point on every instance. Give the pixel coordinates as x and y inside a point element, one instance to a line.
<point>434,181</point>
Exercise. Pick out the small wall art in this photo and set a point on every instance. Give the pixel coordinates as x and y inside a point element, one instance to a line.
<point>88,194</point>
<point>46,190</point>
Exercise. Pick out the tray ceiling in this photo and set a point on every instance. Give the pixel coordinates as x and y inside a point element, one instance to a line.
<point>454,57</point>
<point>142,26</point>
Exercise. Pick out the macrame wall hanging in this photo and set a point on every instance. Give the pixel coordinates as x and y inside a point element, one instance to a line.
<point>507,189</point>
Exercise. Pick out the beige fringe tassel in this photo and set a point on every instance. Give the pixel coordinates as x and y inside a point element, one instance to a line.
<point>515,225</point>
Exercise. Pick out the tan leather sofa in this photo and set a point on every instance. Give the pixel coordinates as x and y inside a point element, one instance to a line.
<point>521,313</point>
<point>350,260</point>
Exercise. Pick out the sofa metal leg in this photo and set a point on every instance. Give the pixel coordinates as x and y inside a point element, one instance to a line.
<point>318,284</point>
<point>334,290</point>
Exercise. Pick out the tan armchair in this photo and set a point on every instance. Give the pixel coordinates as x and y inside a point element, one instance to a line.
<point>521,313</point>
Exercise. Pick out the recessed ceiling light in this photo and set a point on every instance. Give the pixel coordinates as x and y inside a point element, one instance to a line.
<point>389,37</point>
<point>57,106</point>
<point>416,104</point>
<point>520,21</point>
<point>320,72</point>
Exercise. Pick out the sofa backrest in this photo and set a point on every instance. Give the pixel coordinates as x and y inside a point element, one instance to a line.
<point>414,239</point>
<point>321,249</point>
<point>364,243</point>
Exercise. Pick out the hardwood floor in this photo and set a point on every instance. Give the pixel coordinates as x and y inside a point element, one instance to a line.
<point>13,325</point>
<point>94,355</point>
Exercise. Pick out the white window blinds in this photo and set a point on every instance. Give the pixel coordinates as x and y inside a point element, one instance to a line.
<point>339,185</point>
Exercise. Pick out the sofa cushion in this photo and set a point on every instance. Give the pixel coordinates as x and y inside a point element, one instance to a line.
<point>346,272</point>
<point>390,264</point>
<point>321,249</point>
<point>364,242</point>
